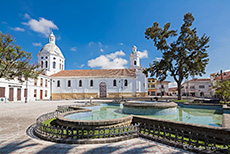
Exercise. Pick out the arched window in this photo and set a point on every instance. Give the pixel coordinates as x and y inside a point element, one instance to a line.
<point>80,83</point>
<point>58,83</point>
<point>91,83</point>
<point>46,64</point>
<point>135,62</point>
<point>126,82</point>
<point>54,64</point>
<point>69,83</point>
<point>114,83</point>
<point>42,64</point>
<point>60,67</point>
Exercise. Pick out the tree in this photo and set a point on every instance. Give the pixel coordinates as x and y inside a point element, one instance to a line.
<point>223,90</point>
<point>14,62</point>
<point>185,56</point>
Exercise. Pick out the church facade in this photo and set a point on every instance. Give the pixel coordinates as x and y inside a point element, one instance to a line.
<point>58,83</point>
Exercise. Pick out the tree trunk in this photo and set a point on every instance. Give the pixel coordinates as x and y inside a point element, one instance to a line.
<point>179,90</point>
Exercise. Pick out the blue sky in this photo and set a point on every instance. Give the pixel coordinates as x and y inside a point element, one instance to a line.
<point>100,33</point>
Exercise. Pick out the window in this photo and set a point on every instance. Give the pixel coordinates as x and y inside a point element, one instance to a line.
<point>192,87</point>
<point>60,66</point>
<point>91,83</point>
<point>2,91</point>
<point>135,62</point>
<point>46,83</point>
<point>42,64</point>
<point>41,84</point>
<point>162,86</point>
<point>45,93</point>
<point>25,92</point>
<point>114,83</point>
<point>58,83</point>
<point>46,64</point>
<point>152,86</point>
<point>46,57</point>
<point>54,64</point>
<point>80,83</point>
<point>69,83</point>
<point>54,58</point>
<point>201,86</point>
<point>35,82</point>
<point>126,82</point>
<point>41,57</point>
<point>35,93</point>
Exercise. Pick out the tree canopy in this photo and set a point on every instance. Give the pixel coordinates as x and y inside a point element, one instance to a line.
<point>185,56</point>
<point>223,90</point>
<point>15,62</point>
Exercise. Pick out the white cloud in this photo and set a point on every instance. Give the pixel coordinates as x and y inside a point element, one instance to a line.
<point>42,25</point>
<point>143,54</point>
<point>91,43</point>
<point>82,65</point>
<point>116,54</point>
<point>27,16</point>
<point>158,58</point>
<point>121,43</point>
<point>37,44</point>
<point>228,70</point>
<point>172,84</point>
<point>102,50</point>
<point>73,49</point>
<point>19,29</point>
<point>109,61</point>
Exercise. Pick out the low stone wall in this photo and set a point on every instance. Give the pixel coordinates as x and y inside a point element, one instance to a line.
<point>193,136</point>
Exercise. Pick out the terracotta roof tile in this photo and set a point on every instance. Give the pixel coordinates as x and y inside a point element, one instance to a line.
<point>96,72</point>
<point>199,80</point>
<point>226,76</point>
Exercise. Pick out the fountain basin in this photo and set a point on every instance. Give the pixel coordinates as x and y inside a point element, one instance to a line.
<point>148,108</point>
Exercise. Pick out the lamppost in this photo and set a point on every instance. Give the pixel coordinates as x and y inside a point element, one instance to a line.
<point>51,89</point>
<point>26,89</point>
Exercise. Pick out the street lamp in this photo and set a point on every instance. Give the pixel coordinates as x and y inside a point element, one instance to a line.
<point>26,89</point>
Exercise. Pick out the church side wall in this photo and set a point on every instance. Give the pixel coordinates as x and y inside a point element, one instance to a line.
<point>86,91</point>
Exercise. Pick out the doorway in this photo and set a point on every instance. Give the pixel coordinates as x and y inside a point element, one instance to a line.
<point>40,94</point>
<point>102,89</point>
<point>11,94</point>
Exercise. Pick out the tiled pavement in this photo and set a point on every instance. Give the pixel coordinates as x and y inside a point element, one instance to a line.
<point>15,137</point>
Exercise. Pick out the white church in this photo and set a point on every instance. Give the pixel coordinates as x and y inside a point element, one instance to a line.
<point>58,83</point>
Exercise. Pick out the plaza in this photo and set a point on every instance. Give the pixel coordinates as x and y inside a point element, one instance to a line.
<point>16,137</point>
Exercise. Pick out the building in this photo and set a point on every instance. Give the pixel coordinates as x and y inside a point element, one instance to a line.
<point>162,88</point>
<point>14,90</point>
<point>152,87</point>
<point>173,91</point>
<point>99,83</point>
<point>197,87</point>
<point>58,83</point>
<point>218,77</point>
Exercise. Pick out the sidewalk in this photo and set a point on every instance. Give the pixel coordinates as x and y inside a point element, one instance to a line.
<point>16,119</point>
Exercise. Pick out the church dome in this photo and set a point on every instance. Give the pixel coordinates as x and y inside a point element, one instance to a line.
<point>51,47</point>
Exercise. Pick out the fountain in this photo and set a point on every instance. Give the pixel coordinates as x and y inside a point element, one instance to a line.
<point>149,108</point>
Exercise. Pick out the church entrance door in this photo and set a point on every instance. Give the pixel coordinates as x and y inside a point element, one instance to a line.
<point>102,89</point>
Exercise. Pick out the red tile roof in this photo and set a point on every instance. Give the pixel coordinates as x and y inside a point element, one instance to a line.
<point>199,80</point>
<point>97,72</point>
<point>226,76</point>
<point>172,89</point>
